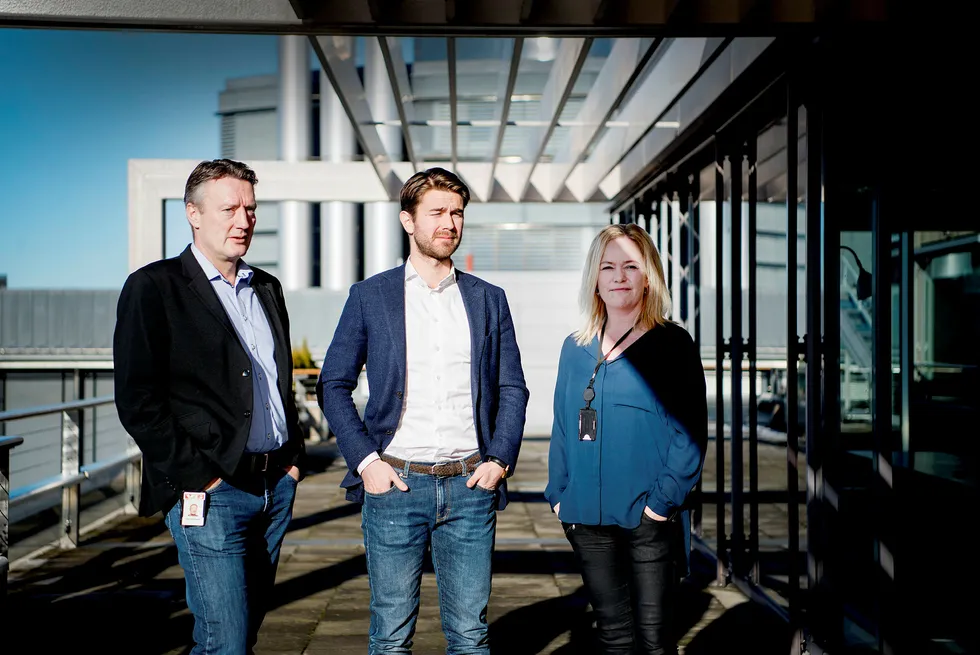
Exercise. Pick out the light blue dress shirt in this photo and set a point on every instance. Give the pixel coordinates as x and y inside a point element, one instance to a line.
<point>246,313</point>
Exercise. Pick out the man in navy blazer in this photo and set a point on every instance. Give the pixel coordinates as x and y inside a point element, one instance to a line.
<point>443,423</point>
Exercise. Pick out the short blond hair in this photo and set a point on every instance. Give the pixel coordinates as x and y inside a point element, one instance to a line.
<point>655,303</point>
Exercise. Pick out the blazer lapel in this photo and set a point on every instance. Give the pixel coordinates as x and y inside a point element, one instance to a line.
<point>201,287</point>
<point>475,302</point>
<point>393,300</point>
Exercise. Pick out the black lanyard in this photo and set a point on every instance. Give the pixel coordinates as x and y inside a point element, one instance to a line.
<point>589,394</point>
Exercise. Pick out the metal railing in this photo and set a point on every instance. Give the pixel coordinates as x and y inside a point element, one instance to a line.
<point>6,444</point>
<point>73,472</point>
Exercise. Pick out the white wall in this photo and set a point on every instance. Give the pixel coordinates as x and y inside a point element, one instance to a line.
<point>545,310</point>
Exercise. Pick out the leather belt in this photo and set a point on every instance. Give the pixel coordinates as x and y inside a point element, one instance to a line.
<point>255,463</point>
<point>442,469</point>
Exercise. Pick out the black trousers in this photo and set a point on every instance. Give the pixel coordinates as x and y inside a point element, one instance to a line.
<point>631,578</point>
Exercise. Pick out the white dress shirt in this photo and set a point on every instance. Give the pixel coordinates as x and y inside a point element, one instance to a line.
<point>437,410</point>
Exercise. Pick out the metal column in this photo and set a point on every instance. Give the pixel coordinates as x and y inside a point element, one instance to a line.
<point>338,220</point>
<point>693,195</point>
<point>72,447</point>
<point>882,478</point>
<point>753,561</point>
<point>816,605</point>
<point>736,354</point>
<point>295,123</point>
<point>383,234</point>
<point>792,356</point>
<point>721,576</point>
<point>6,444</point>
<point>906,341</point>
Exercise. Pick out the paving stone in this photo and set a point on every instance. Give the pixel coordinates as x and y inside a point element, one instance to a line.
<point>322,598</point>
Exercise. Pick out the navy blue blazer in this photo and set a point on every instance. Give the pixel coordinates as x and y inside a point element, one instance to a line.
<point>371,331</point>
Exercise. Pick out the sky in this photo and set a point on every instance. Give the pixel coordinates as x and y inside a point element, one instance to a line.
<point>74,107</point>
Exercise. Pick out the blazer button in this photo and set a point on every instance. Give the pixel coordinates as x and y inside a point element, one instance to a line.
<point>247,414</point>
<point>389,432</point>
<point>398,394</point>
<point>246,373</point>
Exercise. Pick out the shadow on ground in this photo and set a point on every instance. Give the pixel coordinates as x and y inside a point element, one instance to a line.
<point>123,593</point>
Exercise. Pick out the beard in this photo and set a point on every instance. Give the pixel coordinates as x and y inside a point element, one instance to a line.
<point>438,250</point>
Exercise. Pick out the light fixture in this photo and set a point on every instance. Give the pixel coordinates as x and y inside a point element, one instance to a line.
<point>864,278</point>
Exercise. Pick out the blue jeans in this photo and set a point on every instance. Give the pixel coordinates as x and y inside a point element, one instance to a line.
<point>230,562</point>
<point>459,524</point>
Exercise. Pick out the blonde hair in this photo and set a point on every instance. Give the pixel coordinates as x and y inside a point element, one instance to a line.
<point>655,305</point>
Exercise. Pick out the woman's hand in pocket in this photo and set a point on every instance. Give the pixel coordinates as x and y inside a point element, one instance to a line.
<point>653,515</point>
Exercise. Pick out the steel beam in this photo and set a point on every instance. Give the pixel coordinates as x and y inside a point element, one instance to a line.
<point>818,606</point>
<point>502,110</point>
<point>722,571</point>
<point>737,354</point>
<point>720,68</point>
<point>243,16</point>
<point>792,358</point>
<point>624,65</point>
<point>565,70</point>
<point>675,66</point>
<point>453,101</point>
<point>448,17</point>
<point>337,62</point>
<point>753,558</point>
<point>401,90</point>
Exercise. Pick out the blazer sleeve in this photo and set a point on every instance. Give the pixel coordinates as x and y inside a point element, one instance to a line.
<point>557,462</point>
<point>140,346</point>
<point>342,365</point>
<point>686,416</point>
<point>512,393</point>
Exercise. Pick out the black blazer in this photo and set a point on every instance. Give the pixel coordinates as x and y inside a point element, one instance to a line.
<point>183,383</point>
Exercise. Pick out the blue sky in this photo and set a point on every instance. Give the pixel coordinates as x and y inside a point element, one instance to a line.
<point>74,107</point>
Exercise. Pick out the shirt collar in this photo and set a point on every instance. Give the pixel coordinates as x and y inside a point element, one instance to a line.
<point>412,277</point>
<point>244,271</point>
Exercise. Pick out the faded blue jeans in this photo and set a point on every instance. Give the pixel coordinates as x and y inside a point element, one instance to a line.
<point>459,524</point>
<point>230,562</point>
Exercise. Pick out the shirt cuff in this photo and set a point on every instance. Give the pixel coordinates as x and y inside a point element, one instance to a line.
<point>367,460</point>
<point>659,506</point>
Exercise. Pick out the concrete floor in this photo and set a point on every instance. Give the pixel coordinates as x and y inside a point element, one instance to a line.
<point>122,590</point>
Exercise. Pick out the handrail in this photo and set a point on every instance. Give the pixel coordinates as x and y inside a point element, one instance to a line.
<point>61,481</point>
<point>42,410</point>
<point>6,443</point>
<point>73,474</point>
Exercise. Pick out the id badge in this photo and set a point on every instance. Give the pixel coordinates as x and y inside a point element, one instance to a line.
<point>193,509</point>
<point>586,424</point>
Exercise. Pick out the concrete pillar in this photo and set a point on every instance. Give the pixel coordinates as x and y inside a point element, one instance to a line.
<point>383,234</point>
<point>295,123</point>
<point>338,220</point>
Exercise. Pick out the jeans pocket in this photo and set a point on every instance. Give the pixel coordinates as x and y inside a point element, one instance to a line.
<point>382,494</point>
<point>484,489</point>
<point>221,484</point>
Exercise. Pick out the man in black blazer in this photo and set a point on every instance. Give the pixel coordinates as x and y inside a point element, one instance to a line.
<point>203,383</point>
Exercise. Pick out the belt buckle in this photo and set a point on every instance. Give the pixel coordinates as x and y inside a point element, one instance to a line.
<point>444,469</point>
<point>264,466</point>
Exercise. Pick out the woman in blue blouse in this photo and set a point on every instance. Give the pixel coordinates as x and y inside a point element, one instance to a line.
<point>628,441</point>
